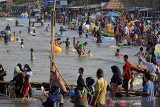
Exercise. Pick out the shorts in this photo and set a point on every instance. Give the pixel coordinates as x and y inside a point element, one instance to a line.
<point>125,84</point>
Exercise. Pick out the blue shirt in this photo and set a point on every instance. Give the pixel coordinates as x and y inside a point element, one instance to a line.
<point>147,100</point>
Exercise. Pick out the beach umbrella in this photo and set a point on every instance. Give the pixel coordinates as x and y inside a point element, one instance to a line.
<point>112,14</point>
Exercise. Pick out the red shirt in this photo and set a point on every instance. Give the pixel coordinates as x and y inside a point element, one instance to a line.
<point>127,71</point>
<point>26,87</point>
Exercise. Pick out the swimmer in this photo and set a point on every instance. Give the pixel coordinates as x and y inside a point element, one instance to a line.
<point>34,32</point>
<point>58,42</point>
<point>118,53</point>
<point>31,50</point>
<point>22,43</point>
<point>67,43</point>
<point>89,53</point>
<point>7,51</point>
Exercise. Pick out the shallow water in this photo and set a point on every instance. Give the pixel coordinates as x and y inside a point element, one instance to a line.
<point>68,62</point>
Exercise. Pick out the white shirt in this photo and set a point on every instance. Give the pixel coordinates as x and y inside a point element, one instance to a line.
<point>126,30</point>
<point>151,67</point>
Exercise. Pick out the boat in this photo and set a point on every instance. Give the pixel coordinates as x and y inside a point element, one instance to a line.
<point>137,68</point>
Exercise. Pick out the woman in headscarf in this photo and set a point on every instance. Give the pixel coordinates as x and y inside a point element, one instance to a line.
<point>28,70</point>
<point>81,93</point>
<point>116,82</point>
<point>18,69</point>
<point>2,74</point>
<point>18,80</point>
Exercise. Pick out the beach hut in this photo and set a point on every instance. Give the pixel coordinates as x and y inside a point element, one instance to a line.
<point>114,5</point>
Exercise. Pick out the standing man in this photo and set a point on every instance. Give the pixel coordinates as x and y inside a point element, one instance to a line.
<point>126,74</point>
<point>100,90</point>
<point>80,29</point>
<point>148,92</point>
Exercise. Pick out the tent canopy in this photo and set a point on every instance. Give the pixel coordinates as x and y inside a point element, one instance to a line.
<point>114,5</point>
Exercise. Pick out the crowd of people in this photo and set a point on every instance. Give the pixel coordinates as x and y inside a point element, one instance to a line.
<point>101,93</point>
<point>19,86</point>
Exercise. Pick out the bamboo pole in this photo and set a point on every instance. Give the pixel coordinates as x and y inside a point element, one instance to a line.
<point>52,37</point>
<point>52,65</point>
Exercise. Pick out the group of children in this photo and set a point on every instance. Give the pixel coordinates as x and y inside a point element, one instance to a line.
<point>76,44</point>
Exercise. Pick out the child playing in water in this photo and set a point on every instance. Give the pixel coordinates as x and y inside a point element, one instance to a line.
<point>89,53</point>
<point>25,89</point>
<point>67,42</point>
<point>76,45</point>
<point>118,53</point>
<point>140,54</point>
<point>22,43</point>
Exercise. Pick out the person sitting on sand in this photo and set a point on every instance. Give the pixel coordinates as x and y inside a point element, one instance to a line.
<point>118,53</point>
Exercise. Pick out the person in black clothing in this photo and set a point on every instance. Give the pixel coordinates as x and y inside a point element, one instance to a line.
<point>116,82</point>
<point>80,30</point>
<point>80,78</point>
<point>2,74</point>
<point>8,28</point>
<point>67,43</point>
<point>17,23</point>
<point>18,80</point>
<point>99,40</point>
